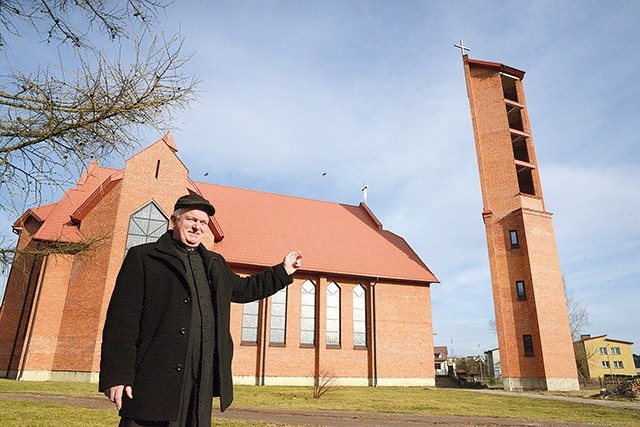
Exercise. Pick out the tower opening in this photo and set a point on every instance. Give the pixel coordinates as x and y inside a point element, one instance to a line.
<point>509,88</point>
<point>525,180</point>
<point>520,151</point>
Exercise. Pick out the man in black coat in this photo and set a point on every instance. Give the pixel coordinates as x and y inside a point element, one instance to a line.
<point>166,346</point>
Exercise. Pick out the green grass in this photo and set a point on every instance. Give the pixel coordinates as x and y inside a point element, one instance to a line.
<point>31,414</point>
<point>412,400</point>
<point>38,414</point>
<point>434,401</point>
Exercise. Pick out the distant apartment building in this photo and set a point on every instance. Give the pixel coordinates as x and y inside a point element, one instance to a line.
<point>599,357</point>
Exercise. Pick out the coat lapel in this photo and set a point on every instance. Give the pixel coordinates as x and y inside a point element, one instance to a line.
<point>209,258</point>
<point>164,250</point>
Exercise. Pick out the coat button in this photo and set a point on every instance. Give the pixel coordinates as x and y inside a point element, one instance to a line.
<point>183,331</point>
<point>186,300</point>
<point>179,368</point>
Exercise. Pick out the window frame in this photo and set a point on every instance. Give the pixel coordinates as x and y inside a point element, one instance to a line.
<point>514,239</point>
<point>282,293</point>
<point>136,220</point>
<point>246,326</point>
<point>333,294</point>
<point>521,291</point>
<point>527,341</point>
<point>304,302</point>
<point>359,317</point>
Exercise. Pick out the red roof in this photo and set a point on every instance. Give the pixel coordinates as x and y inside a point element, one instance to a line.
<point>259,228</point>
<point>335,238</point>
<point>58,225</point>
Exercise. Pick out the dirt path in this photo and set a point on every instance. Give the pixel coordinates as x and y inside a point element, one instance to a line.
<point>330,418</point>
<point>367,419</point>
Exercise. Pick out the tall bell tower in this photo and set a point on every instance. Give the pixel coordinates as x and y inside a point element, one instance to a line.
<point>534,338</point>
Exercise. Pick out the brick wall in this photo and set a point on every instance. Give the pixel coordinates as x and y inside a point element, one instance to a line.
<point>543,313</point>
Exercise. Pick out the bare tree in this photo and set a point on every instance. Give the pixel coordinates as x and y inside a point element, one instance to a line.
<point>72,21</point>
<point>493,326</point>
<point>324,383</point>
<point>55,119</point>
<point>578,313</point>
<point>51,127</point>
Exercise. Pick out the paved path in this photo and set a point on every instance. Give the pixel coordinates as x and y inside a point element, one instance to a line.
<point>342,418</point>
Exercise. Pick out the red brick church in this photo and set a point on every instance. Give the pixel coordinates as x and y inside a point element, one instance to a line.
<point>359,310</point>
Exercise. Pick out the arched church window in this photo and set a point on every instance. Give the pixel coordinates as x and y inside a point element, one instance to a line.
<point>277,331</point>
<point>146,225</point>
<point>333,315</point>
<point>359,317</point>
<point>308,314</point>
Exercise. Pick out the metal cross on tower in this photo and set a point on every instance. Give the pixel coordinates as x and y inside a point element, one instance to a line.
<point>462,47</point>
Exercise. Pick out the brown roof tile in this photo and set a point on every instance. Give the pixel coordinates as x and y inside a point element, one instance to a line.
<point>335,238</point>
<point>58,225</point>
<point>260,228</point>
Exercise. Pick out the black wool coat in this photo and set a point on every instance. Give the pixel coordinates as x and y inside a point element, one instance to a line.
<point>146,331</point>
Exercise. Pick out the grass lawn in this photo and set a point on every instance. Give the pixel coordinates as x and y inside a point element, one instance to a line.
<point>414,400</point>
<point>33,414</point>
<point>434,401</point>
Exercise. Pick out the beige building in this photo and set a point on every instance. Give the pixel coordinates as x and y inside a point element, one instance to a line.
<point>599,357</point>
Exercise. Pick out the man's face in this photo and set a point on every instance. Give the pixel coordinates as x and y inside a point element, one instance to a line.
<point>189,227</point>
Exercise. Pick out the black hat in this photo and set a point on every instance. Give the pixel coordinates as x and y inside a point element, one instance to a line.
<point>193,201</point>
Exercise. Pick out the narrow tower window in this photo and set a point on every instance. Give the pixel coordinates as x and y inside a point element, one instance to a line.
<point>522,296</point>
<point>513,236</point>
<point>527,340</point>
<point>157,169</point>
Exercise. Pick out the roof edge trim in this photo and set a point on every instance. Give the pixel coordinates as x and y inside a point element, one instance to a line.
<point>496,66</point>
<point>90,202</point>
<point>369,212</point>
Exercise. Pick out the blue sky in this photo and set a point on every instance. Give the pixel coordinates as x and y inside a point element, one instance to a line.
<point>374,92</point>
